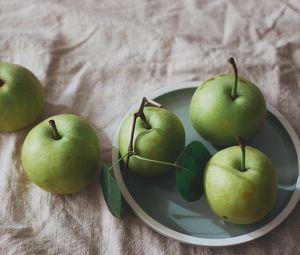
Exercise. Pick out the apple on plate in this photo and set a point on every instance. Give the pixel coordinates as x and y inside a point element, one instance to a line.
<point>61,154</point>
<point>227,106</point>
<point>162,139</point>
<point>21,97</point>
<point>240,184</point>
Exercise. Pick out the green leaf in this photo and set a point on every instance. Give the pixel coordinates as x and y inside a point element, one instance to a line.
<point>189,176</point>
<point>111,192</point>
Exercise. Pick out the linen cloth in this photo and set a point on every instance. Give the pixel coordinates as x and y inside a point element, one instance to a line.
<point>96,59</point>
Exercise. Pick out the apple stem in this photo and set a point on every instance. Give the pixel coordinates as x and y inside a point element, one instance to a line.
<point>141,110</point>
<point>115,163</point>
<point>234,88</point>
<point>164,163</point>
<point>139,113</point>
<point>1,82</point>
<point>56,135</point>
<point>242,144</point>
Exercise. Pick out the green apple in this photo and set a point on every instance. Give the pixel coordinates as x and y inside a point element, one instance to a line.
<point>163,140</point>
<point>241,191</point>
<point>21,97</point>
<point>227,106</point>
<point>61,154</point>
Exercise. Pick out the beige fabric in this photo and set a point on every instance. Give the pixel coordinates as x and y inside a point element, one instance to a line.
<point>97,58</point>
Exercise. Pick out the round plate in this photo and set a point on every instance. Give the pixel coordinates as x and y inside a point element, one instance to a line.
<point>158,203</point>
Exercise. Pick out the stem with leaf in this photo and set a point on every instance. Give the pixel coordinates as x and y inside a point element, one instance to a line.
<point>117,162</point>
<point>139,114</point>
<point>164,163</point>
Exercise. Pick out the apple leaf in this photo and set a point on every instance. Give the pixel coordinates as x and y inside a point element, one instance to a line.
<point>189,174</point>
<point>111,192</point>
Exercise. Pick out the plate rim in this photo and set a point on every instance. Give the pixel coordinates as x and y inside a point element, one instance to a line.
<point>184,238</point>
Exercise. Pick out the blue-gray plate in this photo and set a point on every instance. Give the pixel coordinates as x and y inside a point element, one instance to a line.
<point>158,203</point>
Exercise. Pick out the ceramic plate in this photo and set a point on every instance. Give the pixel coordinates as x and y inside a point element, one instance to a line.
<point>158,203</point>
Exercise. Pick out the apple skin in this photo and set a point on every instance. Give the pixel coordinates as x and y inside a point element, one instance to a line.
<point>164,141</point>
<point>21,97</point>
<point>240,197</point>
<point>62,166</point>
<point>218,118</point>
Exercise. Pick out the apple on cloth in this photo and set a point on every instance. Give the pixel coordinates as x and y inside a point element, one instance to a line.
<point>227,106</point>
<point>61,154</point>
<point>240,184</point>
<point>21,97</point>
